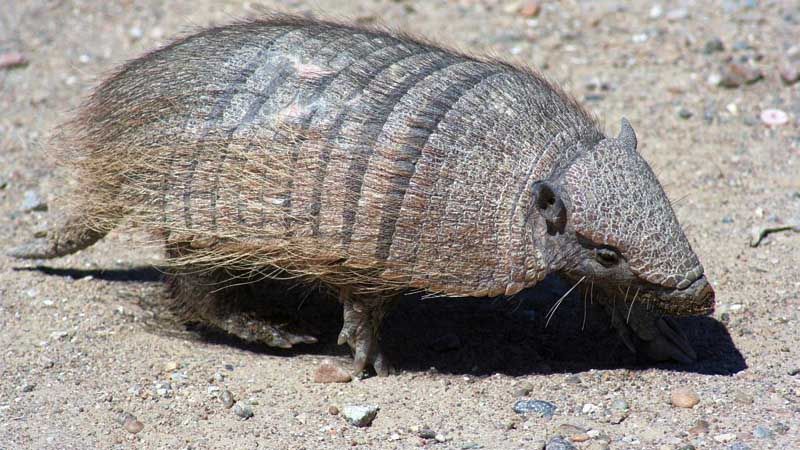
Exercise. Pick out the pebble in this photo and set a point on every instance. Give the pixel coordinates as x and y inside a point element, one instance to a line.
<point>227,399</point>
<point>572,379</point>
<point>136,390</point>
<point>426,433</point>
<point>725,437</point>
<point>32,202</point>
<point>28,387</point>
<point>573,432</point>
<point>699,427</point>
<point>559,443</point>
<point>598,445</point>
<point>132,425</point>
<point>10,60</point>
<point>135,33</point>
<point>530,9</point>
<point>590,408</point>
<point>656,11</point>
<point>684,113</point>
<point>774,117</point>
<point>540,407</point>
<point>620,405</point>
<point>329,372</point>
<point>790,73</point>
<point>739,446</point>
<point>735,74</point>
<point>713,45</point>
<point>763,432</point>
<point>333,410</point>
<point>360,415</point>
<point>171,366</point>
<point>780,428</point>
<point>243,410</point>
<point>3,183</point>
<point>684,398</point>
<point>163,389</point>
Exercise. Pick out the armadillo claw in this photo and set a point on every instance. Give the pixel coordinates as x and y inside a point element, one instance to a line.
<point>359,331</point>
<point>657,338</point>
<point>263,332</point>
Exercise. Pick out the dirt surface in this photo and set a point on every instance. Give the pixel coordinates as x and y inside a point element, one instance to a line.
<point>83,340</point>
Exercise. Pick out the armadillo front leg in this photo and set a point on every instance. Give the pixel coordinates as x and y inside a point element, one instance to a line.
<point>650,334</point>
<point>362,321</point>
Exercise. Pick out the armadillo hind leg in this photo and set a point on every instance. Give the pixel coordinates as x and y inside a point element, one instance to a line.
<point>654,336</point>
<point>360,330</point>
<point>202,298</point>
<point>224,301</point>
<point>73,235</point>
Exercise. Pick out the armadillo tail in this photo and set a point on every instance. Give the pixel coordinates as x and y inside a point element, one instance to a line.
<point>73,236</point>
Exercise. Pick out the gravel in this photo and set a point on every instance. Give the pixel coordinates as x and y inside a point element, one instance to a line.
<point>360,415</point>
<point>536,407</point>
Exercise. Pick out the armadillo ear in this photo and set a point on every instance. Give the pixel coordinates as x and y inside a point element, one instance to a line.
<point>626,135</point>
<point>550,206</point>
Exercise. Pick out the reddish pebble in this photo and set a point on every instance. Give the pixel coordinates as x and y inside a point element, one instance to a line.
<point>684,398</point>
<point>133,426</point>
<point>530,9</point>
<point>328,372</point>
<point>790,73</point>
<point>774,117</point>
<point>12,59</point>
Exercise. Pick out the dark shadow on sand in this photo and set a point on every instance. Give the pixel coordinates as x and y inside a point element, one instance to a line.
<point>471,335</point>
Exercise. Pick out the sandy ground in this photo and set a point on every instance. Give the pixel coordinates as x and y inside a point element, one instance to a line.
<point>83,341</point>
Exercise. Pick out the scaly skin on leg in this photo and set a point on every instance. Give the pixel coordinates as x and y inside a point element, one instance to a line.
<point>215,299</point>
<point>362,321</point>
<point>650,334</point>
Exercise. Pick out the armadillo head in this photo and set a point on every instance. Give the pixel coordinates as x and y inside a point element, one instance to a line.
<point>621,231</point>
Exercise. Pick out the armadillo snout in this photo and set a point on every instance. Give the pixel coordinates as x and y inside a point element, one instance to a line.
<point>695,299</point>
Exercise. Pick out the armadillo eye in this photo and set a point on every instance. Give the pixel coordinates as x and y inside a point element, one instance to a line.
<point>606,257</point>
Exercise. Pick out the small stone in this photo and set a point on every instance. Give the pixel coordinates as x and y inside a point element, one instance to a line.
<point>714,79</point>
<point>163,389</point>
<point>394,437</point>
<point>739,446</point>
<point>699,427</point>
<point>32,202</point>
<point>243,410</point>
<point>426,433</point>
<point>360,415</point>
<point>329,372</point>
<point>530,9</point>
<point>684,113</point>
<point>3,183</point>
<point>620,405</point>
<point>598,445</point>
<point>10,60</point>
<point>171,366</point>
<point>590,408</point>
<point>790,73</point>
<point>539,407</point>
<point>741,397</point>
<point>780,428</point>
<point>684,398</point>
<point>725,437</point>
<point>763,432</point>
<point>735,75</point>
<point>227,399</point>
<point>135,33</point>
<point>559,443</point>
<point>656,11</point>
<point>136,390</point>
<point>333,410</point>
<point>28,387</point>
<point>440,438</point>
<point>572,379</point>
<point>774,117</point>
<point>132,425</point>
<point>573,432</point>
<point>713,45</point>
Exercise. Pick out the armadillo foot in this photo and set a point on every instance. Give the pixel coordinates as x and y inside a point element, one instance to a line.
<point>360,332</point>
<point>654,336</point>
<point>262,331</point>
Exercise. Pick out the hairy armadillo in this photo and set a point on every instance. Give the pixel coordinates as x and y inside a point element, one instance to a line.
<point>374,164</point>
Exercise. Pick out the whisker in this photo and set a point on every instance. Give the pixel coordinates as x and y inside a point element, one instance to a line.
<point>628,319</point>
<point>552,311</point>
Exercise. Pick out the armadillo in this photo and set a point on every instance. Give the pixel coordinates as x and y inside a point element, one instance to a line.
<point>374,164</point>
